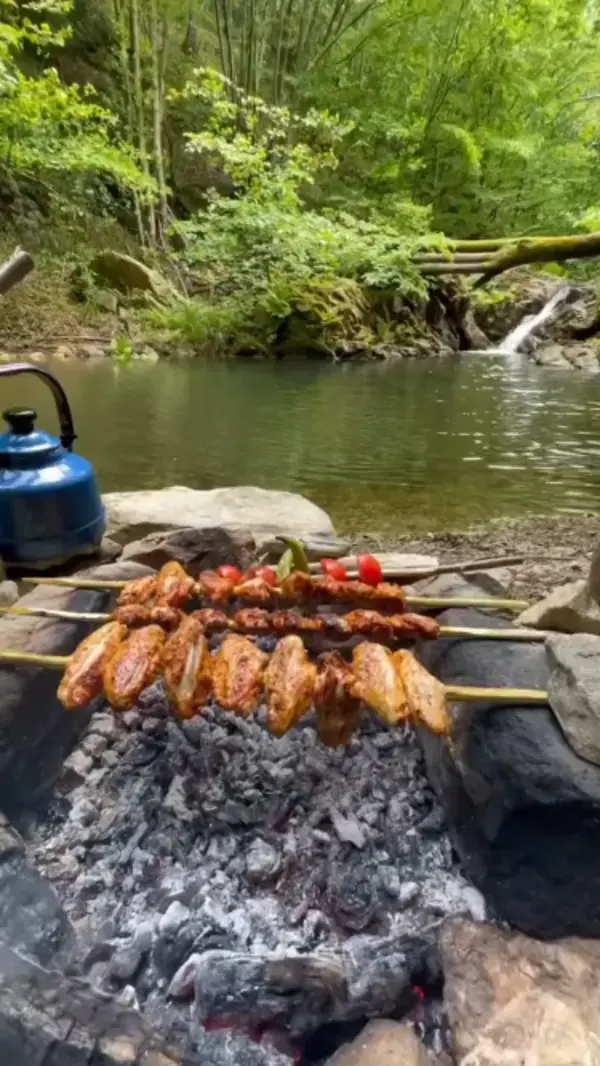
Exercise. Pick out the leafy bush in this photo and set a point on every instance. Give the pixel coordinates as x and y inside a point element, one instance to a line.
<point>48,129</point>
<point>261,254</point>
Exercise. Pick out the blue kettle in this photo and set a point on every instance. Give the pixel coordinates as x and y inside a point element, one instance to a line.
<point>50,507</point>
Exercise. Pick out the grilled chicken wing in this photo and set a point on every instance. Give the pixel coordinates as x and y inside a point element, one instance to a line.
<point>426,695</point>
<point>237,672</point>
<point>337,710</point>
<point>82,679</point>
<point>378,683</point>
<point>173,586</point>
<point>186,665</point>
<point>140,590</point>
<point>134,665</point>
<point>289,684</point>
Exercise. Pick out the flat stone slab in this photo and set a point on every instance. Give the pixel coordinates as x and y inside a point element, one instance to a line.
<point>265,513</point>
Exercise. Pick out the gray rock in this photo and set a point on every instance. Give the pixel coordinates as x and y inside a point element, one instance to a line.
<point>574,691</point>
<point>35,733</point>
<point>263,862</point>
<point>266,513</point>
<point>552,355</point>
<point>568,609</point>
<point>521,805</point>
<point>195,549</point>
<point>127,274</point>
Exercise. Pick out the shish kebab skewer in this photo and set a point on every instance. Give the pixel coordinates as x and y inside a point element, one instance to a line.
<point>299,588</point>
<point>254,621</point>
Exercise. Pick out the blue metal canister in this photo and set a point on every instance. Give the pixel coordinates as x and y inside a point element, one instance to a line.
<point>50,507</point>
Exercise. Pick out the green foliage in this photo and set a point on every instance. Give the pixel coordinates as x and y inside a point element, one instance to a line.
<point>261,255</point>
<point>49,129</point>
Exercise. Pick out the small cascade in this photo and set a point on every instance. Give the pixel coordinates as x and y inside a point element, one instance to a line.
<point>513,340</point>
<point>530,323</point>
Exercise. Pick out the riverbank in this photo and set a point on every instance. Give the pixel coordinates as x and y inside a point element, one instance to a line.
<point>92,303</point>
<point>558,549</point>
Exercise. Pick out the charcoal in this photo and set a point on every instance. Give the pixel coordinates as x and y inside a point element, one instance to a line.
<point>285,885</point>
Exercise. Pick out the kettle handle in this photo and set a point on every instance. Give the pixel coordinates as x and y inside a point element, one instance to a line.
<point>65,418</point>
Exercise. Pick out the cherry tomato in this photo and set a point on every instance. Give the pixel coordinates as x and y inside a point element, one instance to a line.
<point>266,574</point>
<point>230,573</point>
<point>369,570</point>
<point>249,574</point>
<point>332,568</point>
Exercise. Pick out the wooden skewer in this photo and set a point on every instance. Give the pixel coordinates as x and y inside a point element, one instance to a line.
<point>472,566</point>
<point>437,602</point>
<point>463,693</point>
<point>467,632</point>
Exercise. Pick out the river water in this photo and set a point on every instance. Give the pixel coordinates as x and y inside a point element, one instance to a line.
<point>385,448</point>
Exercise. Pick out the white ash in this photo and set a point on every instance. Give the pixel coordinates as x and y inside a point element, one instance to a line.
<point>171,842</point>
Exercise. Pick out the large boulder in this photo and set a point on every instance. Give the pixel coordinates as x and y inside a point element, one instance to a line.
<point>195,549</point>
<point>126,274</point>
<point>513,1000</point>
<point>36,733</point>
<point>266,513</point>
<point>523,808</point>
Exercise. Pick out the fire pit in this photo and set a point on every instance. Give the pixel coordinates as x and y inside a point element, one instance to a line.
<point>256,899</point>
<point>284,885</point>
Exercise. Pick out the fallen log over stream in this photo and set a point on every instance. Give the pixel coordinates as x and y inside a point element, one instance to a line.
<point>489,258</point>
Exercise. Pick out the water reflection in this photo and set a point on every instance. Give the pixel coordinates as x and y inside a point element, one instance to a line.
<point>409,446</point>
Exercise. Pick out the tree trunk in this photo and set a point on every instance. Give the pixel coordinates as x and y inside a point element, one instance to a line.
<point>158,44</point>
<point>541,250</point>
<point>139,107</point>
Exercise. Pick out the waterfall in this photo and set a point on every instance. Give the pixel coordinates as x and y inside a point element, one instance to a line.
<point>514,339</point>
<point>530,323</point>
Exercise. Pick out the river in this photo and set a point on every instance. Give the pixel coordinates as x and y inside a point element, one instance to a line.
<point>385,448</point>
